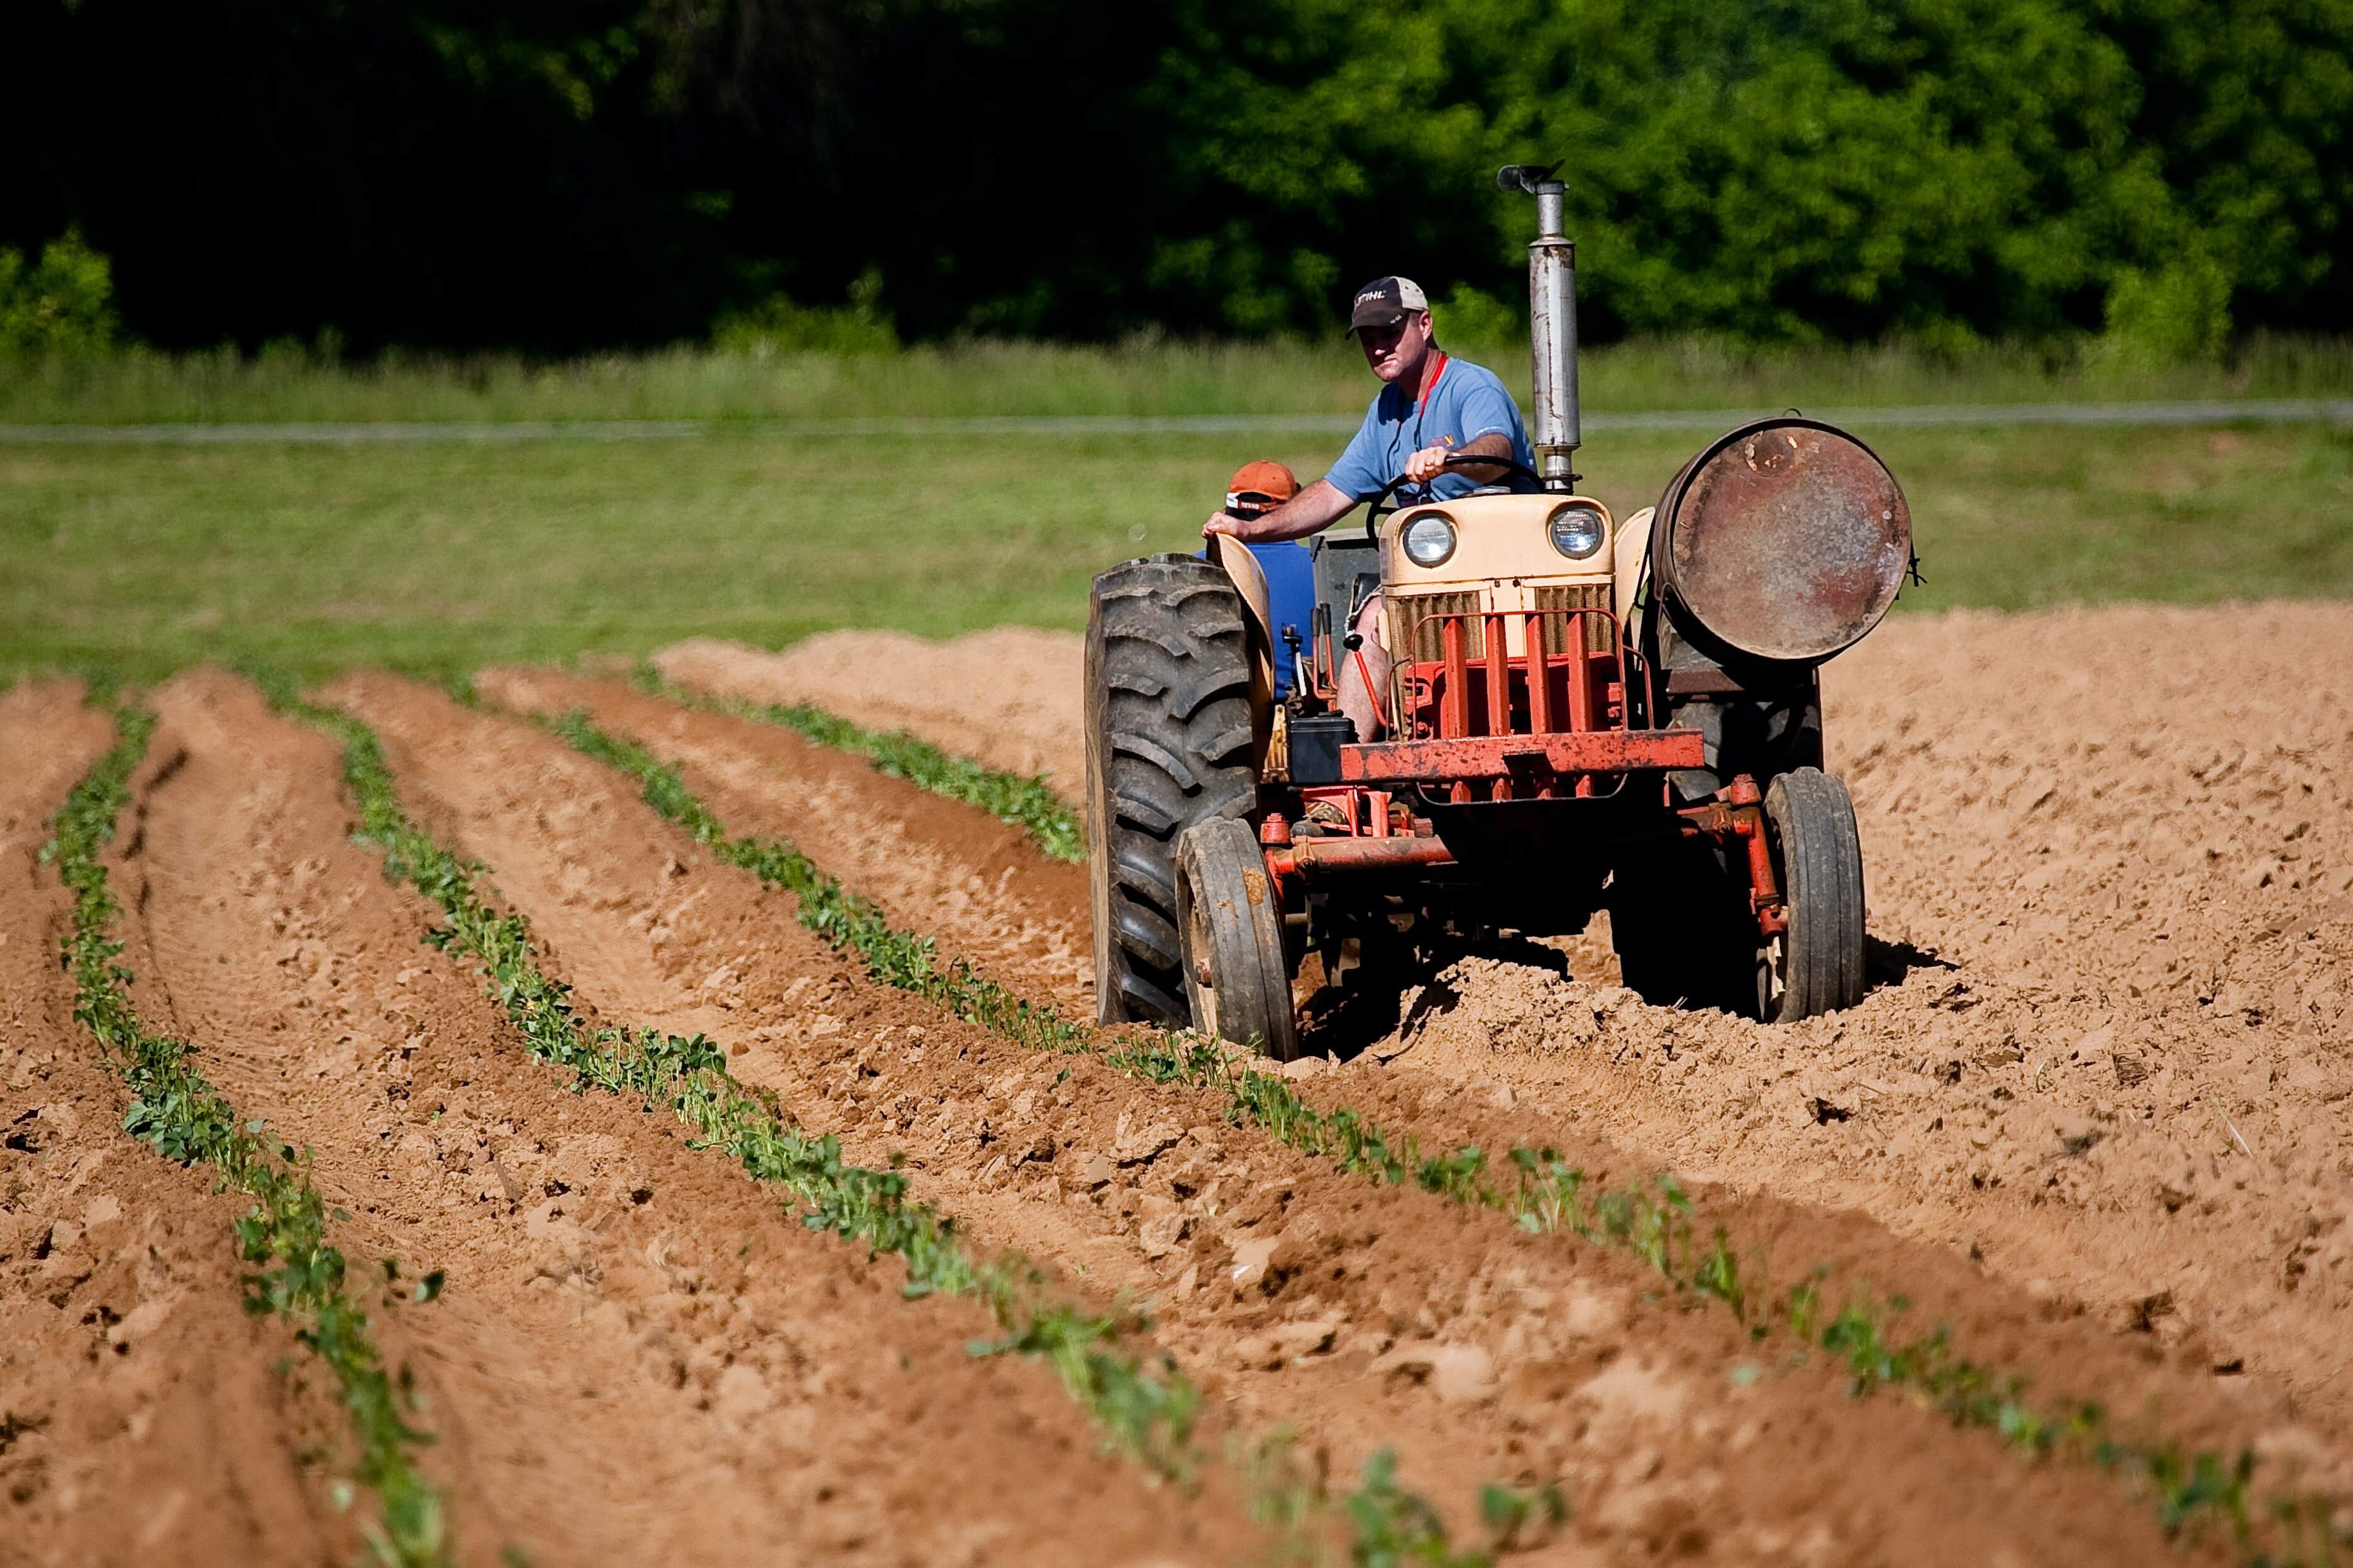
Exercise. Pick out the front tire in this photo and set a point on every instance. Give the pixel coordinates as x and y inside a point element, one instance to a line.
<point>1169,746</point>
<point>1229,926</point>
<point>1817,966</point>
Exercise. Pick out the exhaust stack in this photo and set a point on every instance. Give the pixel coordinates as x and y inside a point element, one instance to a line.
<point>1552,323</point>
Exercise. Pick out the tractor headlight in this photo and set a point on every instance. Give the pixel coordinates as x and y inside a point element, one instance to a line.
<point>1577,532</point>
<point>1430,539</point>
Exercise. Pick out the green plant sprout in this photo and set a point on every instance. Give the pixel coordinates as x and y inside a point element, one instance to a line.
<point>1147,1412</point>
<point>300,1277</point>
<point>1029,804</point>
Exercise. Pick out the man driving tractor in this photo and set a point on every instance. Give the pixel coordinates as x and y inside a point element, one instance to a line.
<point>1583,712</point>
<point>1431,407</point>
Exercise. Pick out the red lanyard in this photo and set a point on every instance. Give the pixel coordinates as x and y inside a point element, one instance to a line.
<point>1422,403</point>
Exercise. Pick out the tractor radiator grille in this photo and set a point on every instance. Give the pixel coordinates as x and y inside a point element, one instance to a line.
<point>1574,596</point>
<point>1414,624</point>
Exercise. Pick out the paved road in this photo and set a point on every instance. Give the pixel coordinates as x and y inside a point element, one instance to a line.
<point>2251,411</point>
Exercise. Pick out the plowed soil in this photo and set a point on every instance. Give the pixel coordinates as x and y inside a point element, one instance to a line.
<point>1009,697</point>
<point>141,1420</point>
<point>2106,1063</point>
<point>1366,1316</point>
<point>2089,1117</point>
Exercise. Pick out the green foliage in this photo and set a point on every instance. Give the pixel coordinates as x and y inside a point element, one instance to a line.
<point>300,1276</point>
<point>1468,318</point>
<point>62,306</point>
<point>2177,315</point>
<point>1946,170</point>
<point>1395,1528</point>
<point>778,326</point>
<point>1774,170</point>
<point>1029,804</point>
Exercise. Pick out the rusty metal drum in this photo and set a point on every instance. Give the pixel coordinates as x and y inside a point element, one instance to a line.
<point>1785,540</point>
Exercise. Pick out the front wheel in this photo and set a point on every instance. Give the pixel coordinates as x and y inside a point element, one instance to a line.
<point>1230,927</point>
<point>1817,964</point>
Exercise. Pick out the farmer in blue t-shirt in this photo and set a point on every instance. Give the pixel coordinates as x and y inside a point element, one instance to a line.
<point>1432,407</point>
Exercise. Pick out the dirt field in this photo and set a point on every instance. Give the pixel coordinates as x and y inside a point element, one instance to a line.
<point>2090,1118</point>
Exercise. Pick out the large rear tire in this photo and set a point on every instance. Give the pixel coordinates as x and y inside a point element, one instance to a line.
<point>1169,746</point>
<point>1229,926</point>
<point>1817,966</point>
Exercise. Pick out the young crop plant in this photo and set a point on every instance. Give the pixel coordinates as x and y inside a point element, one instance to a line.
<point>1028,803</point>
<point>1148,1413</point>
<point>298,1275</point>
<point>2191,1490</point>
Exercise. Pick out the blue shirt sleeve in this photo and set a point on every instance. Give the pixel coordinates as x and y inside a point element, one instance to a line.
<point>1487,410</point>
<point>1353,475</point>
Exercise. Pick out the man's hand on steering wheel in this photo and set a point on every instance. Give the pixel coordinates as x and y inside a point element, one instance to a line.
<point>1377,505</point>
<point>1427,464</point>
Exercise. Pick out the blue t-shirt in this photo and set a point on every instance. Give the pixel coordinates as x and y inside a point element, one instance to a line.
<point>1468,402</point>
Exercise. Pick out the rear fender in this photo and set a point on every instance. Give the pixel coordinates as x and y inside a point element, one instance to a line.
<point>1242,569</point>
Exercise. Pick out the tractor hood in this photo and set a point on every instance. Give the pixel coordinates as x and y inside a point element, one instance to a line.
<point>1496,536</point>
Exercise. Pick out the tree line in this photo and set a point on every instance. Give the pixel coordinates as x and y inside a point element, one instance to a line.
<point>560,176</point>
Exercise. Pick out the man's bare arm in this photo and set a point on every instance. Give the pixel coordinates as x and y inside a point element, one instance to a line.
<point>1430,461</point>
<point>1312,510</point>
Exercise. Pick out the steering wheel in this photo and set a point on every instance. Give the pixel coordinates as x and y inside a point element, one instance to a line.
<point>1373,512</point>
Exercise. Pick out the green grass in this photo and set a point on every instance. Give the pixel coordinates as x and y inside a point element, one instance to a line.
<point>438,558</point>
<point>1142,377</point>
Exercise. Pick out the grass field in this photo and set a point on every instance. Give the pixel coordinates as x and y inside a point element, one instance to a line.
<point>1142,378</point>
<point>437,557</point>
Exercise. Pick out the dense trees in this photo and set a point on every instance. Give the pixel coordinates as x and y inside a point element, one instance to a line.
<point>603,172</point>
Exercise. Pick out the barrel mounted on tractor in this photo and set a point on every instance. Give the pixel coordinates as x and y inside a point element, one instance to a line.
<point>1582,713</point>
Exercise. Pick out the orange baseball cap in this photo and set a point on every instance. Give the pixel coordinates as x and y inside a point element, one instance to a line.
<point>1272,480</point>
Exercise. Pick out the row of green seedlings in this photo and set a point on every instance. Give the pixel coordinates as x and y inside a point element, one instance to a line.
<point>1147,1411</point>
<point>1027,802</point>
<point>2191,1489</point>
<point>300,1277</point>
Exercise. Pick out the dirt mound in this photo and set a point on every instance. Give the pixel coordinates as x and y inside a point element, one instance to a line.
<point>141,1419</point>
<point>2091,1115</point>
<point>1009,697</point>
<point>976,884</point>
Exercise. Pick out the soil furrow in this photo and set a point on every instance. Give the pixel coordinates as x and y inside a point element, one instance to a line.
<point>142,1413</point>
<point>638,1355</point>
<point>2112,1049</point>
<point>978,884</point>
<point>2067,1359</point>
<point>2112,1041</point>
<point>1003,696</point>
<point>1364,1314</point>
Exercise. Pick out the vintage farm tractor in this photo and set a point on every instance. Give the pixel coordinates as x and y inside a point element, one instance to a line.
<point>1581,714</point>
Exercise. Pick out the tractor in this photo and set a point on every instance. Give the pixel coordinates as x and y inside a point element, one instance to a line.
<point>1582,713</point>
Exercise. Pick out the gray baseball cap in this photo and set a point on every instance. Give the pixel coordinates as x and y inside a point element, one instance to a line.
<point>1384,303</point>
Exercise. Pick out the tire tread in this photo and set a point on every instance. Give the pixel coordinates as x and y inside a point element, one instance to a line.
<point>1169,745</point>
